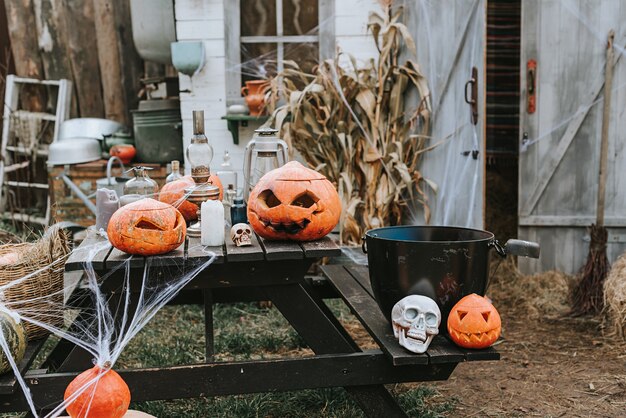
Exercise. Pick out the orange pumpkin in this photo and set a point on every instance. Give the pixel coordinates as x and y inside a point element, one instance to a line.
<point>474,322</point>
<point>147,227</point>
<point>173,193</point>
<point>103,394</point>
<point>294,203</point>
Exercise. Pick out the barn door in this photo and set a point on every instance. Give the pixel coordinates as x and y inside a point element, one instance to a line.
<point>450,37</point>
<point>563,62</point>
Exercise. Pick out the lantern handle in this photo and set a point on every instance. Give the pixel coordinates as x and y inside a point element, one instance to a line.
<point>246,169</point>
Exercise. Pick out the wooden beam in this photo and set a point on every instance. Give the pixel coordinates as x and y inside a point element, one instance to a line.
<point>132,69</point>
<point>20,23</point>
<point>78,19</point>
<point>109,60</point>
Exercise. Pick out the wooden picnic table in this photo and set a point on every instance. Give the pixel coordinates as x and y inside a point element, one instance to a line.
<point>274,271</point>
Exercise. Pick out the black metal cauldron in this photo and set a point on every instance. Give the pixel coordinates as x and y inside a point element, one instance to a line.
<point>443,263</point>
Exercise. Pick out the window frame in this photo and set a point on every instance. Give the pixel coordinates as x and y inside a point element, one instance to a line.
<point>232,39</point>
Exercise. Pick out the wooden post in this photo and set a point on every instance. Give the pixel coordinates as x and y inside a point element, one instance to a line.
<point>52,42</point>
<point>109,60</point>
<point>132,69</point>
<point>78,20</point>
<point>21,26</point>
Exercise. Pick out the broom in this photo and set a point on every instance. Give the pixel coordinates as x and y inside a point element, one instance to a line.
<point>587,297</point>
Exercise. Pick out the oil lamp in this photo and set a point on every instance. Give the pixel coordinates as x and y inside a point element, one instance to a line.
<point>199,154</point>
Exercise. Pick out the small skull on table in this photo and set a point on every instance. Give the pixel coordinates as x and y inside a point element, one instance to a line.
<point>415,321</point>
<point>241,234</point>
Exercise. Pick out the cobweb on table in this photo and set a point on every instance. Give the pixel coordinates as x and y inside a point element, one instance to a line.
<point>104,326</point>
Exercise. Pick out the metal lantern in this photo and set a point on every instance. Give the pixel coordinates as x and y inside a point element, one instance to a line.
<point>264,153</point>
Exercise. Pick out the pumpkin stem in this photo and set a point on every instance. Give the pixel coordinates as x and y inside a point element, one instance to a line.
<point>107,365</point>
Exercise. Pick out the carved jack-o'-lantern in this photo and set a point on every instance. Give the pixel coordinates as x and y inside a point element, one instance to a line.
<point>174,194</point>
<point>474,322</point>
<point>147,227</point>
<point>294,203</point>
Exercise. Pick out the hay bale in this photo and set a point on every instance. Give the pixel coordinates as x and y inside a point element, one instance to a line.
<point>615,297</point>
<point>537,295</point>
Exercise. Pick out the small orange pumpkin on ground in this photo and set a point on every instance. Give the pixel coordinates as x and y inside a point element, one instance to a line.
<point>293,203</point>
<point>474,322</point>
<point>173,193</point>
<point>147,227</point>
<point>106,397</point>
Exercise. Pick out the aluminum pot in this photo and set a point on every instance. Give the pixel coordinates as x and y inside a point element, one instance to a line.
<point>74,151</point>
<point>443,263</point>
<point>94,128</point>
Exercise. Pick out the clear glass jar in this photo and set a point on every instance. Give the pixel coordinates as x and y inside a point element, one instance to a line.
<point>141,185</point>
<point>175,174</point>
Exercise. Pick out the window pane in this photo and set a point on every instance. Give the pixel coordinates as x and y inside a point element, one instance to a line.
<point>258,61</point>
<point>300,17</point>
<point>305,55</point>
<point>258,17</point>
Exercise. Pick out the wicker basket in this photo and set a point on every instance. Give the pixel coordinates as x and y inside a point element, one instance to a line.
<point>40,296</point>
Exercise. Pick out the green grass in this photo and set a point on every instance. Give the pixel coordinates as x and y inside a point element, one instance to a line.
<point>244,331</point>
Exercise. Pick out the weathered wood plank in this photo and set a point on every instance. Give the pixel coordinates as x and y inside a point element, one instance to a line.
<point>324,247</point>
<point>216,379</point>
<point>100,245</point>
<point>79,254</point>
<point>281,250</point>
<point>370,315</point>
<point>83,56</point>
<point>109,61</point>
<point>118,257</point>
<point>198,253</point>
<point>459,177</point>
<point>252,252</point>
<point>131,64</point>
<point>53,42</point>
<point>25,49</point>
<point>173,258</point>
<point>361,275</point>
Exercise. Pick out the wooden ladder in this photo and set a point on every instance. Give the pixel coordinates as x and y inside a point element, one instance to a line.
<point>15,156</point>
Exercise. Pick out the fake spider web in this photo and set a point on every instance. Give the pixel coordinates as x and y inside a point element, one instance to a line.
<point>101,324</point>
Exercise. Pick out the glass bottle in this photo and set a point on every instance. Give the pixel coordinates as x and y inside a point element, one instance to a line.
<point>175,174</point>
<point>238,212</point>
<point>226,173</point>
<point>199,152</point>
<point>139,187</point>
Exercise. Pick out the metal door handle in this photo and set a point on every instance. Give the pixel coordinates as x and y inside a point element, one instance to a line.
<point>472,98</point>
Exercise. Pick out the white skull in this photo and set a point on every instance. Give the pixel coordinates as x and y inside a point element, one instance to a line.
<point>415,320</point>
<point>240,234</point>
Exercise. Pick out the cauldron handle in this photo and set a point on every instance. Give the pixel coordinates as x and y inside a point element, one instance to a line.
<point>363,246</point>
<point>499,248</point>
<point>517,247</point>
<point>522,248</point>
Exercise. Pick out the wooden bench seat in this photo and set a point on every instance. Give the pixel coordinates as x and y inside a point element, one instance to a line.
<point>352,283</point>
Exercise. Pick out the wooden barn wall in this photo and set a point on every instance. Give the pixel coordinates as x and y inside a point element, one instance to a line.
<point>450,38</point>
<point>6,61</point>
<point>88,42</point>
<point>558,179</point>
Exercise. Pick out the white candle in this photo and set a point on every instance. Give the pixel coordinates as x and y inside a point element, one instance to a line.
<point>212,223</point>
<point>106,203</point>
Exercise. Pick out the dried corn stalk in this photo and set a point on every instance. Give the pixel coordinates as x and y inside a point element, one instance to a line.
<point>351,125</point>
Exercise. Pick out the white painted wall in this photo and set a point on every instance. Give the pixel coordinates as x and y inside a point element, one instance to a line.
<point>204,20</point>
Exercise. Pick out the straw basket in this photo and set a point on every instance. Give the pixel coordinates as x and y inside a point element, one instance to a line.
<point>36,269</point>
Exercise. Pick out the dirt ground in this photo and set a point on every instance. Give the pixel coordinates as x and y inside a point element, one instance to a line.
<point>557,367</point>
<point>551,364</point>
